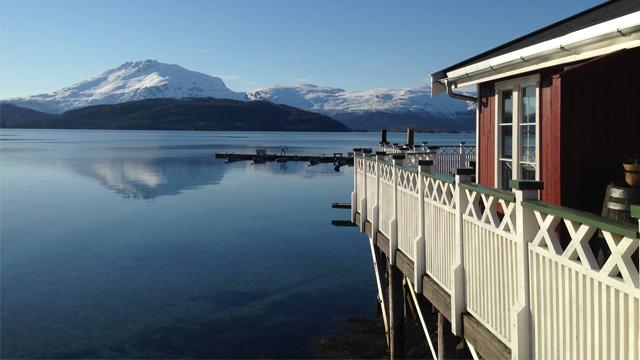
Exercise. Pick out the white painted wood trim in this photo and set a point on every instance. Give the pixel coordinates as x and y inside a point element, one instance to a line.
<point>515,85</point>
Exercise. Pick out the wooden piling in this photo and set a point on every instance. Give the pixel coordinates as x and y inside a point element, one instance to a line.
<point>410,136</point>
<point>396,313</point>
<point>383,137</point>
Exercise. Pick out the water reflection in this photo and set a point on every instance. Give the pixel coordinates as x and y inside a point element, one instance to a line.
<point>144,178</point>
<point>148,178</point>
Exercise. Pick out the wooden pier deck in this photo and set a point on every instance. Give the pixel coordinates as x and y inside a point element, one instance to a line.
<point>274,157</point>
<point>509,275</point>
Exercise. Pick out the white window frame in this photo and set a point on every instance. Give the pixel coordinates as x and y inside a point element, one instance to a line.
<point>515,85</point>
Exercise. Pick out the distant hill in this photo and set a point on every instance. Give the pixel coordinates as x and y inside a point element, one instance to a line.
<point>402,120</point>
<point>175,114</point>
<point>15,116</point>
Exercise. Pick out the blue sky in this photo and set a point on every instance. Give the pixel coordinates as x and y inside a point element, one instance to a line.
<point>46,45</point>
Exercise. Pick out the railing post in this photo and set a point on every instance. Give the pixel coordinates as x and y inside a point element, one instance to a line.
<point>363,200</point>
<point>461,163</point>
<point>375,217</point>
<point>393,223</point>
<point>419,266</point>
<point>526,229</point>
<point>354,193</point>
<point>458,303</point>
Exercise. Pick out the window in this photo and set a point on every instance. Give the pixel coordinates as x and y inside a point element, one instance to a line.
<point>516,126</point>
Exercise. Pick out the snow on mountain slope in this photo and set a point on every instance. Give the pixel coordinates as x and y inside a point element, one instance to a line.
<point>334,100</point>
<point>131,81</point>
<point>151,79</point>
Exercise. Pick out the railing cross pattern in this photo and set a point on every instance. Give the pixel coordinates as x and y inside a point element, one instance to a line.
<point>507,220</point>
<point>489,215</point>
<point>620,260</point>
<point>472,209</point>
<point>579,246</point>
<point>547,232</point>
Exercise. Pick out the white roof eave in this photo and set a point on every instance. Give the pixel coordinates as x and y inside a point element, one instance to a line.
<point>609,36</point>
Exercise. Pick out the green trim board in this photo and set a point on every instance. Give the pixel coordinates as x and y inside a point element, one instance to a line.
<point>408,168</point>
<point>500,194</point>
<point>584,217</point>
<point>441,177</point>
<point>635,211</point>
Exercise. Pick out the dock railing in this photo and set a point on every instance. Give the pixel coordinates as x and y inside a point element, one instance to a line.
<point>525,269</point>
<point>446,158</point>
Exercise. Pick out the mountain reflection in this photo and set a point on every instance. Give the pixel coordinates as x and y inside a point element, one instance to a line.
<point>147,178</point>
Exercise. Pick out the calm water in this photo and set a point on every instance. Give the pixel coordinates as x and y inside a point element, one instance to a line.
<point>141,244</point>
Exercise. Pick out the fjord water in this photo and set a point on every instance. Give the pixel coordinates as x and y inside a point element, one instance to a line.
<point>141,244</point>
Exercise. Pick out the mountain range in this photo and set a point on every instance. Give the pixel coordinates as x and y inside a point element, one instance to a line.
<point>368,110</point>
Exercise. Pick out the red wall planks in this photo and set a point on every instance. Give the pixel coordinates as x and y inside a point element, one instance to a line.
<point>589,125</point>
<point>486,136</point>
<point>600,114</point>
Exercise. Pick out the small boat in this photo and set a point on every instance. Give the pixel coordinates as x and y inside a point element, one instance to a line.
<point>314,161</point>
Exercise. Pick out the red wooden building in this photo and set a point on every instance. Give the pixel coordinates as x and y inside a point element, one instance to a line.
<point>560,105</point>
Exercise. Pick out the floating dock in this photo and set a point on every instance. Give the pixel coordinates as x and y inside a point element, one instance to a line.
<point>327,159</point>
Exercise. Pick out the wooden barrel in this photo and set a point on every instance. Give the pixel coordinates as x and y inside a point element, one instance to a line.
<point>617,203</point>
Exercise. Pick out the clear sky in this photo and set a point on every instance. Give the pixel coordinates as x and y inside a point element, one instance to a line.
<point>46,45</point>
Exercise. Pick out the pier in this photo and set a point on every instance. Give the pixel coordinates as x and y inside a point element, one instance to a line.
<point>333,158</point>
<point>509,275</point>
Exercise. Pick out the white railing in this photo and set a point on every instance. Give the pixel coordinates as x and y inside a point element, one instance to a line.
<point>440,216</point>
<point>523,268</point>
<point>450,158</point>
<point>370,171</point>
<point>489,246</point>
<point>407,216</point>
<point>580,308</point>
<point>446,158</point>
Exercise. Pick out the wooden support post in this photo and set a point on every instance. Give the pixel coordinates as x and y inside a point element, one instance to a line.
<point>379,268</point>
<point>440,332</point>
<point>354,193</point>
<point>396,313</point>
<point>393,224</point>
<point>383,137</point>
<point>375,217</point>
<point>363,200</point>
<point>419,266</point>
<point>462,155</point>
<point>526,229</point>
<point>457,269</point>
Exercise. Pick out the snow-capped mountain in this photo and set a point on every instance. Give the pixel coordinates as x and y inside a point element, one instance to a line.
<point>376,108</point>
<point>131,81</point>
<point>369,109</point>
<point>334,100</point>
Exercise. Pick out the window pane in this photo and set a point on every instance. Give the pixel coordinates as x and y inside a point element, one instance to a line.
<point>528,105</point>
<point>528,172</point>
<point>505,140</point>
<point>507,107</point>
<point>505,174</point>
<point>528,143</point>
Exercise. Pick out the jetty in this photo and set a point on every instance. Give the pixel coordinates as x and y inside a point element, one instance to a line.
<point>506,242</point>
<point>333,158</point>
